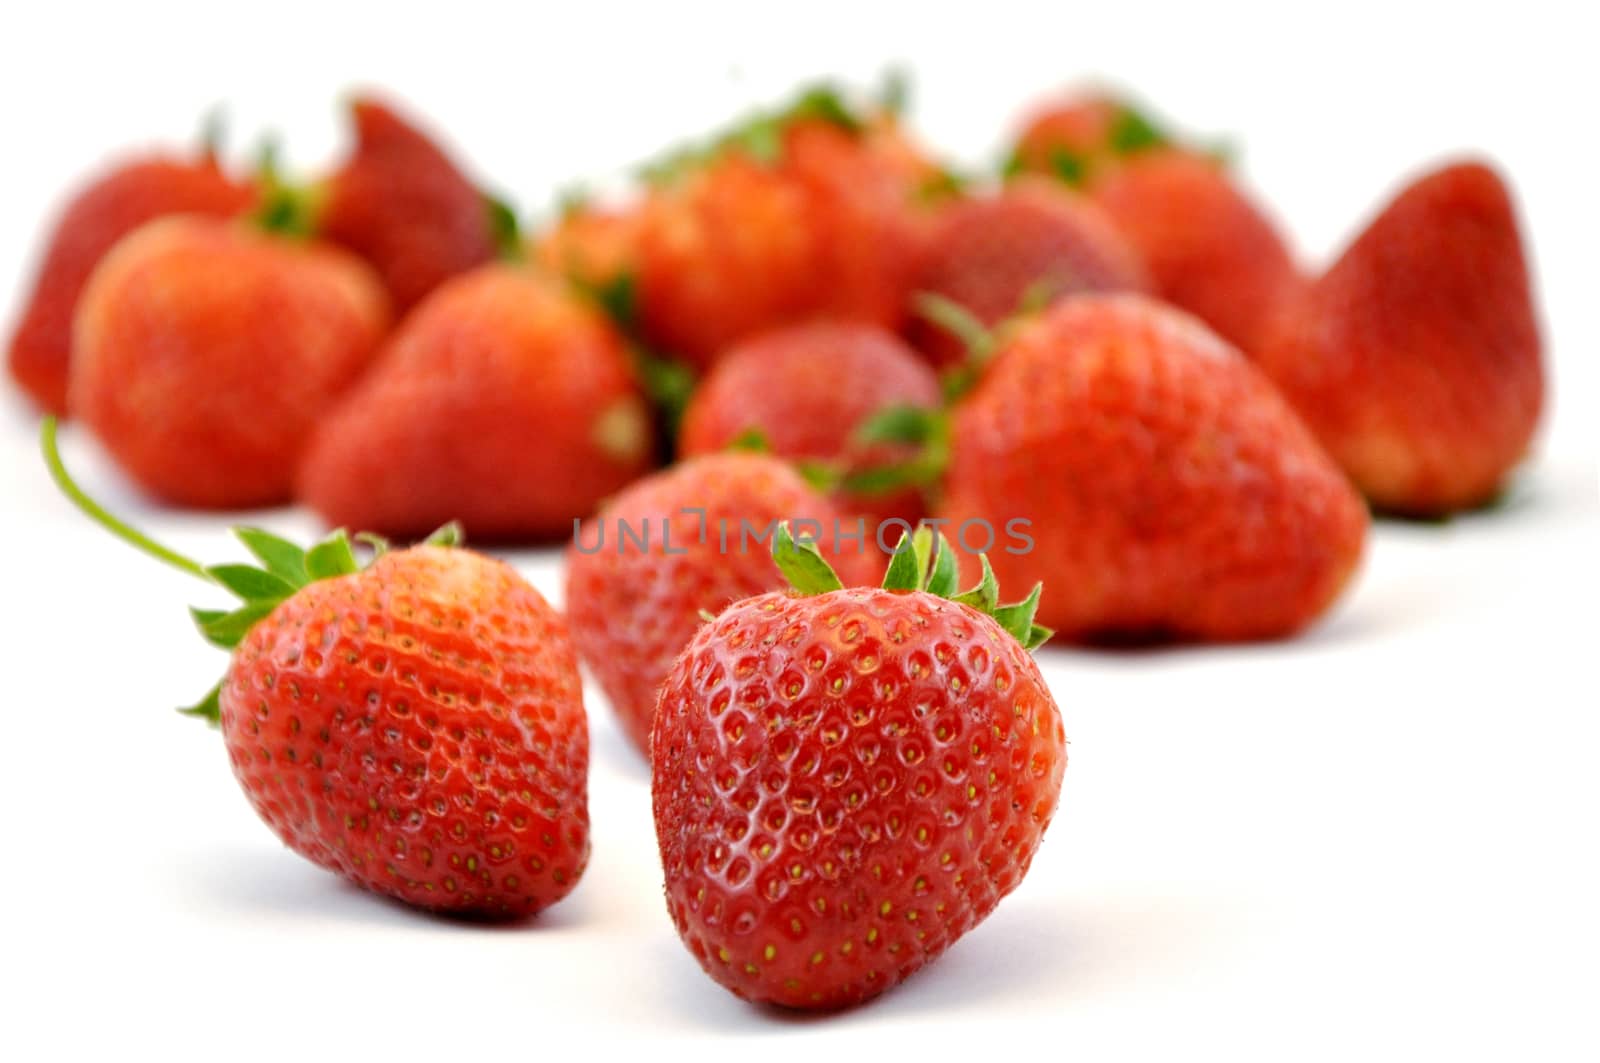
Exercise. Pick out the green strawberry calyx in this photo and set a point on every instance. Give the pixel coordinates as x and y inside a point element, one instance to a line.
<point>923,563</point>
<point>282,569</point>
<point>286,208</point>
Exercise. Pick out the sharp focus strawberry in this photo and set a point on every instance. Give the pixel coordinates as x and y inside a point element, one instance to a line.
<point>416,726</point>
<point>845,781</point>
<point>675,545</point>
<point>503,401</point>
<point>99,215</point>
<point>804,214</point>
<point>1209,249</point>
<point>1416,358</point>
<point>1169,490</point>
<point>206,350</point>
<point>807,391</point>
<point>1016,250</point>
<point>403,205</point>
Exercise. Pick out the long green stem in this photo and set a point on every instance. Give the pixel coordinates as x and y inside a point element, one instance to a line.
<point>97,513</point>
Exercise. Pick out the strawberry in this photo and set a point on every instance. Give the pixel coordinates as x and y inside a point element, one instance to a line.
<point>846,781</point>
<point>205,350</point>
<point>1416,357</point>
<point>594,247</point>
<point>807,213</point>
<point>103,212</point>
<point>402,204</point>
<point>1167,488</point>
<point>416,726</point>
<point>1210,250</point>
<point>1068,138</point>
<point>681,542</point>
<point>503,401</point>
<point>806,391</point>
<point>1031,243</point>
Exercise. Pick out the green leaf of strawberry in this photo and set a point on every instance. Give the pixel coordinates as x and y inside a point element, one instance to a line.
<point>332,557</point>
<point>279,556</point>
<point>250,583</point>
<point>922,563</point>
<point>802,564</point>
<point>1134,131</point>
<point>285,568</point>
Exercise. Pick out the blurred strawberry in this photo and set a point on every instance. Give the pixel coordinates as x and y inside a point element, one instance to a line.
<point>596,247</point>
<point>1209,249</point>
<point>503,401</point>
<point>1018,249</point>
<point>1416,358</point>
<point>1068,137</point>
<point>112,205</point>
<point>1166,489</point>
<point>403,205</point>
<point>807,391</point>
<point>205,351</point>
<point>806,213</point>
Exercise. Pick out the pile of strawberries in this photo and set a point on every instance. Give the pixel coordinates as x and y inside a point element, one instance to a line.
<point>1102,372</point>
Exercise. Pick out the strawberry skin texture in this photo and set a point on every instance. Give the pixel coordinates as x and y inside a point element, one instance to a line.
<point>845,784</point>
<point>807,388</point>
<point>102,213</point>
<point>418,728</point>
<point>1416,358</point>
<point>738,246</point>
<point>633,609</point>
<point>992,254</point>
<point>1209,249</point>
<point>1171,491</point>
<point>403,205</point>
<point>504,402</point>
<point>205,351</point>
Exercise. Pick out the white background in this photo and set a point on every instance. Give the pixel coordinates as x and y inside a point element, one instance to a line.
<point>1376,839</point>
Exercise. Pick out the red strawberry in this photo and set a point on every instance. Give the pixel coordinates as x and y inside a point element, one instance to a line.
<point>596,248</point>
<point>205,351</point>
<point>1170,489</point>
<point>416,726</point>
<point>1033,242</point>
<point>99,215</point>
<point>1416,357</point>
<point>684,541</point>
<point>806,214</point>
<point>1068,138</point>
<point>861,185</point>
<point>403,205</point>
<point>503,401</point>
<point>846,781</point>
<point>723,253</point>
<point>1209,249</point>
<point>808,390</point>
